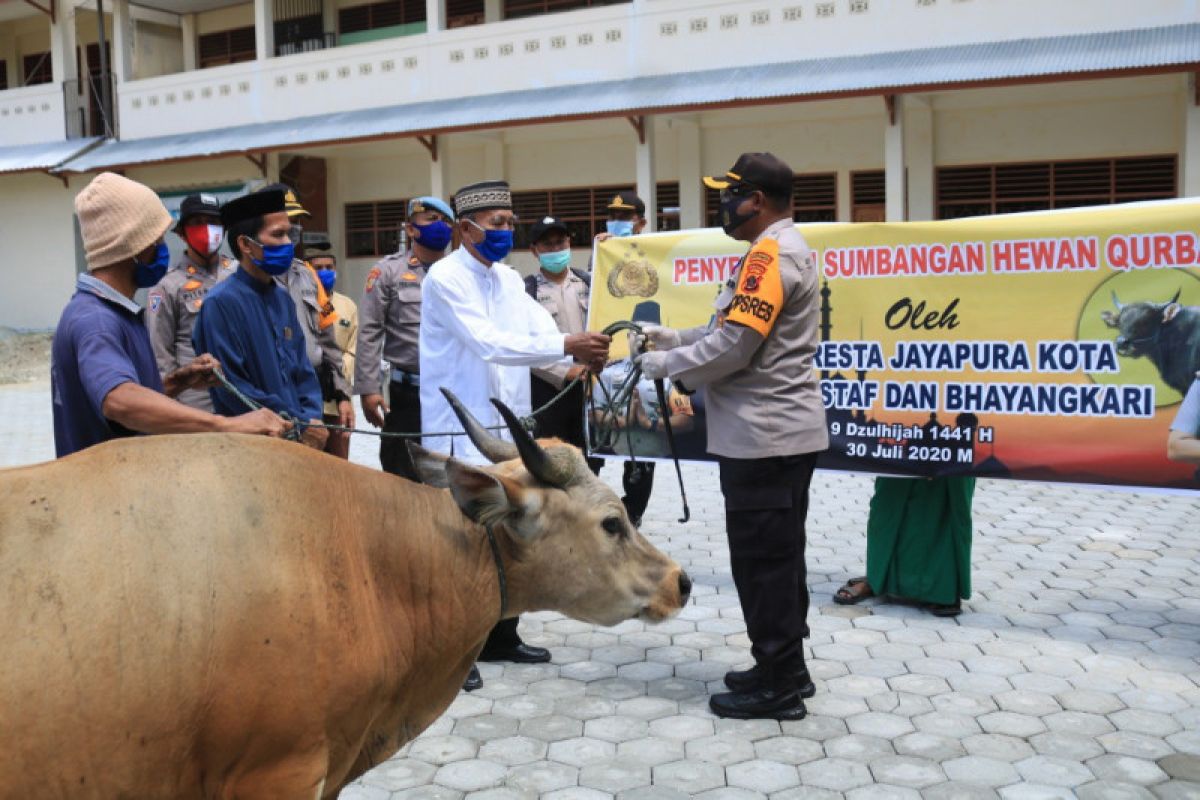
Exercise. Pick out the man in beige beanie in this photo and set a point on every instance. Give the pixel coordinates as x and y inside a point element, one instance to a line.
<point>103,376</point>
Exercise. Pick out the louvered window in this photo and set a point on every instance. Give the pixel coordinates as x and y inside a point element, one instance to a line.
<point>867,196</point>
<point>529,8</point>
<point>226,47</point>
<point>460,13</point>
<point>373,229</point>
<point>585,210</point>
<point>814,199</point>
<point>667,201</point>
<point>380,15</point>
<point>1007,188</point>
<point>35,69</point>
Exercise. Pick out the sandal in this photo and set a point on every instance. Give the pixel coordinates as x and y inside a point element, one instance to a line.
<point>941,610</point>
<point>846,596</point>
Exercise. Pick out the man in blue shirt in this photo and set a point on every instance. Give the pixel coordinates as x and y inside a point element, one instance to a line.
<point>103,377</point>
<point>249,323</point>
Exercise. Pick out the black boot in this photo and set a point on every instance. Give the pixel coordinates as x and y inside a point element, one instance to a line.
<point>782,703</point>
<point>474,680</point>
<point>747,680</point>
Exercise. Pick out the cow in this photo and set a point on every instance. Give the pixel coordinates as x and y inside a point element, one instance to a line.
<point>229,637</point>
<point>1166,333</point>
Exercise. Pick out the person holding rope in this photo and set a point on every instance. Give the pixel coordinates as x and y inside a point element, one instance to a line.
<point>249,322</point>
<point>766,425</point>
<point>104,379</point>
<point>480,333</point>
<point>389,322</point>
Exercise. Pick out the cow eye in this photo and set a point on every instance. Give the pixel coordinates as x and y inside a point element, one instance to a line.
<point>612,526</point>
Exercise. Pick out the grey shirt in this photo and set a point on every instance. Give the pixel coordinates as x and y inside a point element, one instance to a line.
<point>320,344</point>
<point>763,397</point>
<point>1187,419</point>
<point>172,306</point>
<point>389,320</point>
<point>567,302</point>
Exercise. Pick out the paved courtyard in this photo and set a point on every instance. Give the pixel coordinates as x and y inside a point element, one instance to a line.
<point>1075,671</point>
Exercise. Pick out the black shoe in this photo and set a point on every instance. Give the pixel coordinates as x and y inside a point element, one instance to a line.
<point>765,703</point>
<point>519,653</point>
<point>747,680</point>
<point>474,680</point>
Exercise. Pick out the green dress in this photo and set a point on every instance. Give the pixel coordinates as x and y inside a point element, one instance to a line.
<point>919,539</point>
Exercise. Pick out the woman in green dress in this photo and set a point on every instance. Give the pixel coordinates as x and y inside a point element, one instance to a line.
<point>918,544</point>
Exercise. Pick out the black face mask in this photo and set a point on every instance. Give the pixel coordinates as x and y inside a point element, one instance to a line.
<point>731,220</point>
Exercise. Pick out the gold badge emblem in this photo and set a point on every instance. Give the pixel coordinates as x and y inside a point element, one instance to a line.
<point>634,276</point>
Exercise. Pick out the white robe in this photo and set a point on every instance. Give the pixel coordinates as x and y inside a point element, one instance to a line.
<point>480,334</point>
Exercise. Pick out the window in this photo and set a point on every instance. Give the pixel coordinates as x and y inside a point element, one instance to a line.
<point>868,196</point>
<point>529,8</point>
<point>35,69</point>
<point>380,15</point>
<point>585,210</point>
<point>814,199</point>
<point>1007,188</point>
<point>226,47</point>
<point>460,13</point>
<point>373,229</point>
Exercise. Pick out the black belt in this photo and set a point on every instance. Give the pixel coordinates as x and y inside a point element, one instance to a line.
<point>406,378</point>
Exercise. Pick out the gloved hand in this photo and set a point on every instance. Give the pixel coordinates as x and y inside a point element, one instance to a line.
<point>659,338</point>
<point>653,364</point>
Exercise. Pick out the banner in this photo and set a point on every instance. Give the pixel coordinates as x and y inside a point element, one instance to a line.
<point>1048,346</point>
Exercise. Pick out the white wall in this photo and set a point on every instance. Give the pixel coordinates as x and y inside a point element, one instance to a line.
<point>157,50</point>
<point>37,229</point>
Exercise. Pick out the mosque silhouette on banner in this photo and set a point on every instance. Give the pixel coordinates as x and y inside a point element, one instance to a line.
<point>888,455</point>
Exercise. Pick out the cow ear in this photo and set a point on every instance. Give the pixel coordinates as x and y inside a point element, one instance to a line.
<point>488,498</point>
<point>1110,319</point>
<point>429,466</point>
<point>1171,311</point>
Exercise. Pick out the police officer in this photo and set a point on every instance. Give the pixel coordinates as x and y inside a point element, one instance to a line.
<point>172,305</point>
<point>345,329</point>
<point>766,425</point>
<point>317,320</point>
<point>389,323</point>
<point>564,293</point>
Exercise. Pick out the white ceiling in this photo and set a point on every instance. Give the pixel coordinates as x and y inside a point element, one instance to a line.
<point>19,9</point>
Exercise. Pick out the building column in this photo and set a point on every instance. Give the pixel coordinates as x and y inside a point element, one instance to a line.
<point>64,63</point>
<point>918,156</point>
<point>845,197</point>
<point>329,19</point>
<point>435,15</point>
<point>264,29</point>
<point>1189,162</point>
<point>691,168</point>
<point>122,43</point>
<point>187,30</point>
<point>439,170</point>
<point>646,168</point>
<point>893,159</point>
<point>8,54</point>
<point>493,10</point>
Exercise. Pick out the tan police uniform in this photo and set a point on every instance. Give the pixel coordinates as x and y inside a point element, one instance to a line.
<point>766,424</point>
<point>320,344</point>
<point>389,326</point>
<point>345,332</point>
<point>172,306</point>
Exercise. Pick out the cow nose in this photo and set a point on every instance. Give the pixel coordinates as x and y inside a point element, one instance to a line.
<point>685,587</point>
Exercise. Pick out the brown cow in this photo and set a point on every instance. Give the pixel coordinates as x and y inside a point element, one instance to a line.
<point>232,639</point>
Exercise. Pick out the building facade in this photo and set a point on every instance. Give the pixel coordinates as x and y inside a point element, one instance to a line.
<point>886,109</point>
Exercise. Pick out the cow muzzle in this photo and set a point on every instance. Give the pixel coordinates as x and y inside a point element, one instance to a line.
<point>672,595</point>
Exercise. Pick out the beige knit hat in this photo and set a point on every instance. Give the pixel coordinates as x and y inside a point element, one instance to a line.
<point>118,218</point>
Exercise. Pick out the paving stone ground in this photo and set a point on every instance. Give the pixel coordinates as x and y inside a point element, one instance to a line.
<point>1075,671</point>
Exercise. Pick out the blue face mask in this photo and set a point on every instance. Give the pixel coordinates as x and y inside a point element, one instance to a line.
<point>555,262</point>
<point>328,278</point>
<point>435,235</point>
<point>146,275</point>
<point>495,245</point>
<point>277,258</point>
<point>619,227</point>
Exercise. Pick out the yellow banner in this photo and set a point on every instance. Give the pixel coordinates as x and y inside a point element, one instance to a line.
<point>1045,346</point>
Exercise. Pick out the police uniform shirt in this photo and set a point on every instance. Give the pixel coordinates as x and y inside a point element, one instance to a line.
<point>567,302</point>
<point>763,397</point>
<point>171,310</point>
<point>389,321</point>
<point>300,282</point>
<point>345,331</point>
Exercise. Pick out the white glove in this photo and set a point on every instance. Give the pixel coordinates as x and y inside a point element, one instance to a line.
<point>653,364</point>
<point>660,338</point>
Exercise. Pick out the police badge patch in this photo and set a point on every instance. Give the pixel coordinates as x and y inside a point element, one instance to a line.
<point>155,301</point>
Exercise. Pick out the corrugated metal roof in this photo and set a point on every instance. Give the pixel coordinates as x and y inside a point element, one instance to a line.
<point>1175,45</point>
<point>42,156</point>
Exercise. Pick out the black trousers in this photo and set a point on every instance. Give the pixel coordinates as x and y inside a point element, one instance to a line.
<point>404,417</point>
<point>766,502</point>
<point>564,419</point>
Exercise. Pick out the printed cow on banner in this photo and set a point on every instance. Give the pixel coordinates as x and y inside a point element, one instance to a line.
<point>1166,333</point>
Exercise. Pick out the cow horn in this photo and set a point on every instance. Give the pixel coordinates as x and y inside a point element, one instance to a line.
<point>493,448</point>
<point>541,464</point>
<point>1175,299</point>
<point>1116,302</point>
